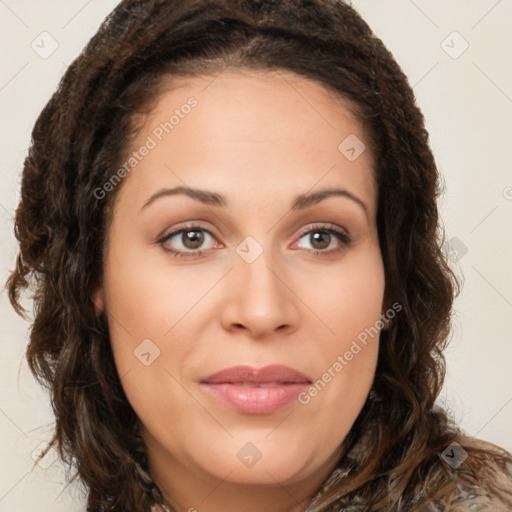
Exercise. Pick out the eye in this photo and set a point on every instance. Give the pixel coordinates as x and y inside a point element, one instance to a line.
<point>322,236</point>
<point>188,239</point>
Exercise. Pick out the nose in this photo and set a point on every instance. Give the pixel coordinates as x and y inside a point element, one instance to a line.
<point>260,298</point>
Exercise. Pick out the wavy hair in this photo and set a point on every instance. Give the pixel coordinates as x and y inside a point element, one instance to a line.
<point>391,456</point>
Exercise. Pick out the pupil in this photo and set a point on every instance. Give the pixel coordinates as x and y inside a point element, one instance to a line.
<point>318,236</point>
<point>195,237</point>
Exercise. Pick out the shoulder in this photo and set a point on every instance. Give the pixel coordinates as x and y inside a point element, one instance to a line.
<point>481,483</point>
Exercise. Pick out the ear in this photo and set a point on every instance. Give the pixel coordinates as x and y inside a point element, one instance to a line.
<point>387,321</point>
<point>98,299</point>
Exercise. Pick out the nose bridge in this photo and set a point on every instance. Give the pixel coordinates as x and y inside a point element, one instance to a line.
<point>257,271</point>
<point>260,299</point>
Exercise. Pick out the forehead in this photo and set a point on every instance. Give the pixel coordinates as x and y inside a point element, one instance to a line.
<point>251,132</point>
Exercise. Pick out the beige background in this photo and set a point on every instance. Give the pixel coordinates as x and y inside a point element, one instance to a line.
<point>467,102</point>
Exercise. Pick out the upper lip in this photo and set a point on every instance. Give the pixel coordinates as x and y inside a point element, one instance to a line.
<point>273,373</point>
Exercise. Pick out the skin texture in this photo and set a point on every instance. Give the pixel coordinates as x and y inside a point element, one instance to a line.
<point>260,139</point>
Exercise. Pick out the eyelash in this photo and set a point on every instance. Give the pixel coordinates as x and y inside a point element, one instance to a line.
<point>343,237</point>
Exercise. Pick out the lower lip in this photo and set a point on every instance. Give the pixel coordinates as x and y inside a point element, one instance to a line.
<point>256,400</point>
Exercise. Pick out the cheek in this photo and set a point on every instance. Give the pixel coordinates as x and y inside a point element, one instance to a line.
<point>348,304</point>
<point>144,305</point>
<point>346,299</point>
<point>144,299</point>
<point>151,308</point>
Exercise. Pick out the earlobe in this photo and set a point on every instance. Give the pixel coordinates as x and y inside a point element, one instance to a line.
<point>386,320</point>
<point>387,323</point>
<point>98,300</point>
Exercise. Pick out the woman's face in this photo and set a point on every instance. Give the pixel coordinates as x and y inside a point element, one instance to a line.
<point>271,286</point>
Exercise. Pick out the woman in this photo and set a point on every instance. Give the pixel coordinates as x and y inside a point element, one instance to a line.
<point>229,214</point>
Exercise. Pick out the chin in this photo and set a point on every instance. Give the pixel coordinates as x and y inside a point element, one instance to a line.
<point>271,472</point>
<point>259,462</point>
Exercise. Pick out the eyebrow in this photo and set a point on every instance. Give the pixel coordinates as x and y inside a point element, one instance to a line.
<point>301,202</point>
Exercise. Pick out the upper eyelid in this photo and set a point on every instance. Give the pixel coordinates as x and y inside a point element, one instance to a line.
<point>322,225</point>
<point>179,230</point>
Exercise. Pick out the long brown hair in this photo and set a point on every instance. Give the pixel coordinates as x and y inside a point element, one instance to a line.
<point>391,460</point>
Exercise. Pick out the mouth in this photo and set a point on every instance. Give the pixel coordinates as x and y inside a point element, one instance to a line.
<point>275,374</point>
<point>258,384</point>
<point>256,391</point>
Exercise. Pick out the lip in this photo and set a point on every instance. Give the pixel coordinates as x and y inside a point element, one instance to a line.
<point>268,374</point>
<point>256,391</point>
